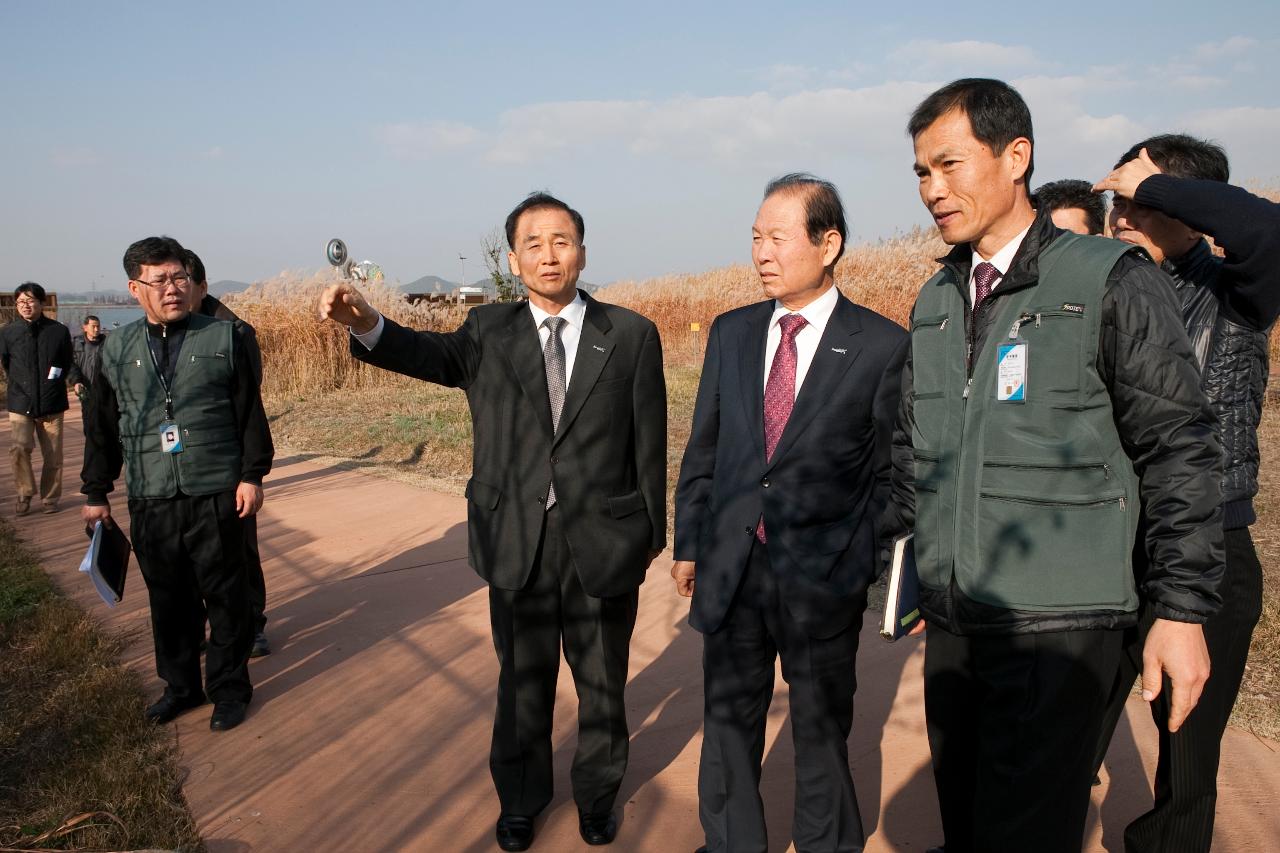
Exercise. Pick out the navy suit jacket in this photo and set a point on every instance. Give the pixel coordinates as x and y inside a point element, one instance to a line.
<point>826,484</point>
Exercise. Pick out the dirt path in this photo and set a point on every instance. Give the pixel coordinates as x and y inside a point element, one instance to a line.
<point>370,723</point>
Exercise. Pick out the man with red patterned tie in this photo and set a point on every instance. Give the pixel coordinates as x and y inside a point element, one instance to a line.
<point>785,473</point>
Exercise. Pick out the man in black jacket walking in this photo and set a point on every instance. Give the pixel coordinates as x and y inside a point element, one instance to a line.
<point>36,355</point>
<point>203,303</point>
<point>1169,191</point>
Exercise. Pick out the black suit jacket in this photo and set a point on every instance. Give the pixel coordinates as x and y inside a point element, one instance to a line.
<point>609,457</point>
<point>826,484</point>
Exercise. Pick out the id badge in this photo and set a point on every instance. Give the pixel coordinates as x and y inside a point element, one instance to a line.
<point>170,437</point>
<point>1011,372</point>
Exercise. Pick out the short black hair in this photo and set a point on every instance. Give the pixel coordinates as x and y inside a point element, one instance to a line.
<point>537,200</point>
<point>1183,156</point>
<point>997,114</point>
<point>823,210</point>
<point>36,291</point>
<point>195,268</point>
<point>1069,193</point>
<point>150,252</point>
<point>88,317</point>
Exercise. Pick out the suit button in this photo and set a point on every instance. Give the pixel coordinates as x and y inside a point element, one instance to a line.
<point>750,530</point>
<point>765,482</point>
<point>540,499</point>
<point>554,460</point>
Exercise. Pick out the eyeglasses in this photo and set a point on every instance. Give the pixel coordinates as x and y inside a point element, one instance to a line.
<point>179,280</point>
<point>28,302</point>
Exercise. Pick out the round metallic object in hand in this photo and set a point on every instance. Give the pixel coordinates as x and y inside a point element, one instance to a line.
<point>336,252</point>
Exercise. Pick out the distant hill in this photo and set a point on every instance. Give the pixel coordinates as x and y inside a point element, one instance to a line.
<point>222,288</point>
<point>429,284</point>
<point>434,283</point>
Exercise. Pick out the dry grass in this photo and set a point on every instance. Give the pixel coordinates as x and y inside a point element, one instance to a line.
<point>79,766</point>
<point>883,276</point>
<point>307,356</point>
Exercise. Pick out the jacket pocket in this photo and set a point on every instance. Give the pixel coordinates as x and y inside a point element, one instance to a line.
<point>928,523</point>
<point>620,506</point>
<point>1052,551</point>
<point>483,495</point>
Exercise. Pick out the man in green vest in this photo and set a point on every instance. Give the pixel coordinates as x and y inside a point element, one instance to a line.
<point>176,403</point>
<point>1049,389</point>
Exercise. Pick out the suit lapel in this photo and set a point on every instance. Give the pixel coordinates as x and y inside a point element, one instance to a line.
<point>522,349</point>
<point>837,350</point>
<point>594,349</point>
<point>753,341</point>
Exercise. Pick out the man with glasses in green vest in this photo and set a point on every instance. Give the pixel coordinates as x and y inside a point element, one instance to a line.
<point>176,404</point>
<point>1049,389</point>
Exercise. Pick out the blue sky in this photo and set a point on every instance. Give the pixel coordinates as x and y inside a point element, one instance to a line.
<point>255,132</point>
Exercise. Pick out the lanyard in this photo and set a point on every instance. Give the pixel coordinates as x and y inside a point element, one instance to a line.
<point>164,383</point>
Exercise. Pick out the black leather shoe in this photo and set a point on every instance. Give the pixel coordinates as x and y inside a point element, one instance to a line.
<point>597,829</point>
<point>168,707</point>
<point>514,832</point>
<point>261,648</point>
<point>227,714</point>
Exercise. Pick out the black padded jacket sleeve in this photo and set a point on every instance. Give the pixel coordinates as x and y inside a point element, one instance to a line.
<point>1245,226</point>
<point>1169,431</point>
<point>899,515</point>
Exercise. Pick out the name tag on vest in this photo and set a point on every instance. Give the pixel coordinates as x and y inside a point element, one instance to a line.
<point>1011,372</point>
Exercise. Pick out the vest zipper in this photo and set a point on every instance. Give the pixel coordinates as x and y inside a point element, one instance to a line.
<point>996,496</point>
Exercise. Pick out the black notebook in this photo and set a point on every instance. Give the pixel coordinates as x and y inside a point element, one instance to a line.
<point>107,562</point>
<point>902,604</point>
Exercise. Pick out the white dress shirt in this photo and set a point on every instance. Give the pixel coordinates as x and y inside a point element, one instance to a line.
<point>816,313</point>
<point>1001,260</point>
<point>570,333</point>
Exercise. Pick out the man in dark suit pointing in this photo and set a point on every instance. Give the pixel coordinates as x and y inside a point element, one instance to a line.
<point>785,473</point>
<point>566,503</point>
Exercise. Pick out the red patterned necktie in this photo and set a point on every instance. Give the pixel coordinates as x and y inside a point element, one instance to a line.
<point>780,390</point>
<point>984,278</point>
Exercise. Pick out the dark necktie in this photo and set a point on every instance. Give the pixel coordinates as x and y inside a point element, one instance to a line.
<point>553,358</point>
<point>984,279</point>
<point>780,390</point>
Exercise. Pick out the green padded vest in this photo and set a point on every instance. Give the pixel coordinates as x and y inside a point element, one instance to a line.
<point>210,458</point>
<point>1031,505</point>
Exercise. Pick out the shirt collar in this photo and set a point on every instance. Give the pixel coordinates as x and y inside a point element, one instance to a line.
<point>816,313</point>
<point>1002,259</point>
<point>574,313</point>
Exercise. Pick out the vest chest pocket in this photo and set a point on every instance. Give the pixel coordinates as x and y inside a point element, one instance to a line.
<point>928,355</point>
<point>206,364</point>
<point>1055,339</point>
<point>929,336</point>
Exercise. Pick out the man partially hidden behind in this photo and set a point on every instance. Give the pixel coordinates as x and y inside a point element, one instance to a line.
<point>1050,388</point>
<point>1171,191</point>
<point>176,404</point>
<point>86,348</point>
<point>36,355</point>
<point>566,506</point>
<point>203,303</point>
<point>784,477</point>
<point>1072,205</point>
